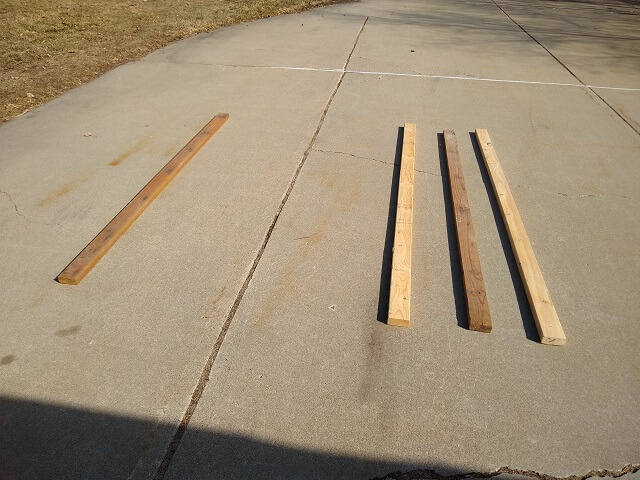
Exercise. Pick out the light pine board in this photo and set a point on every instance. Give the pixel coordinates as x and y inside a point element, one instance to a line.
<point>92,253</point>
<point>400,290</point>
<point>544,313</point>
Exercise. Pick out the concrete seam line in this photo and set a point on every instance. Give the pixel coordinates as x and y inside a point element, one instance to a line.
<point>427,75</point>
<point>206,371</point>
<point>429,474</point>
<point>568,69</point>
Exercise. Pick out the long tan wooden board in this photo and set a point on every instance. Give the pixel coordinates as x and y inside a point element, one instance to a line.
<point>544,313</point>
<point>92,253</point>
<point>400,290</point>
<point>474,290</point>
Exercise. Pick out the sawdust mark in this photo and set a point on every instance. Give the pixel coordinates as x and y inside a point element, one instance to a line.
<point>130,151</point>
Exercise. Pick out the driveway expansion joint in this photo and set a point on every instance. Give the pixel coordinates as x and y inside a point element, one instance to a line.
<point>588,87</point>
<point>206,371</point>
<point>429,474</point>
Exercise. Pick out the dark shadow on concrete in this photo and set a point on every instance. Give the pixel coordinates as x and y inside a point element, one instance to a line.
<point>387,252</point>
<point>457,283</point>
<point>521,295</point>
<point>40,441</point>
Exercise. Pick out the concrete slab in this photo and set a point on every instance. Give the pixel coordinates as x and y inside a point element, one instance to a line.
<point>262,43</point>
<point>95,379</point>
<point>598,41</point>
<point>131,339</point>
<point>307,366</point>
<point>493,47</point>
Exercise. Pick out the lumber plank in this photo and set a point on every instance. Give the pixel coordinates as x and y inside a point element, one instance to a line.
<point>544,313</point>
<point>400,289</point>
<point>473,281</point>
<point>92,253</point>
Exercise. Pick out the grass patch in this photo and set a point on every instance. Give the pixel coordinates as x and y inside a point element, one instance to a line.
<point>50,46</point>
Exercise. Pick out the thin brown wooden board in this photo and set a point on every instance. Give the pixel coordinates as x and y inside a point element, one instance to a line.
<point>474,290</point>
<point>400,290</point>
<point>92,253</point>
<point>544,313</point>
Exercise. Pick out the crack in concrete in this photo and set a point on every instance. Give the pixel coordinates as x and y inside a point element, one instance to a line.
<point>575,195</point>
<point>374,160</point>
<point>595,195</point>
<point>589,195</point>
<point>15,205</point>
<point>20,214</point>
<point>306,237</point>
<point>429,474</point>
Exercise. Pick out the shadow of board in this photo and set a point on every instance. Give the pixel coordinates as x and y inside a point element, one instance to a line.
<point>43,441</point>
<point>387,251</point>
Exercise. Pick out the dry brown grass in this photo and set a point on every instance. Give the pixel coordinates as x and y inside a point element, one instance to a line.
<point>50,46</point>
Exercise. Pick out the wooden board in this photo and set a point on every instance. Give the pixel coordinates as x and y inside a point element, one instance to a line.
<point>474,290</point>
<point>544,313</point>
<point>400,290</point>
<point>85,261</point>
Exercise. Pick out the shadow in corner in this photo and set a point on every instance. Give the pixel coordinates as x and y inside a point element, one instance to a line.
<point>452,237</point>
<point>387,252</point>
<point>41,441</point>
<point>521,295</point>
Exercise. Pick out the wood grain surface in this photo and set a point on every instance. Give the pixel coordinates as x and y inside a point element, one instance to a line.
<point>544,313</point>
<point>400,290</point>
<point>474,289</point>
<point>92,253</point>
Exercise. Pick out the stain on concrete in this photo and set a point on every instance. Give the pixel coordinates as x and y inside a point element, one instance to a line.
<point>345,193</point>
<point>215,302</point>
<point>61,192</point>
<point>171,151</point>
<point>65,332</point>
<point>39,297</point>
<point>7,360</point>
<point>130,151</point>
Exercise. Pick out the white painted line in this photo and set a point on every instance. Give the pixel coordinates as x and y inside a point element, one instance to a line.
<point>444,77</point>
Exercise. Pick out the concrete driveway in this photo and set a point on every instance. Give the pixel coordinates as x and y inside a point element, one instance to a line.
<point>234,332</point>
